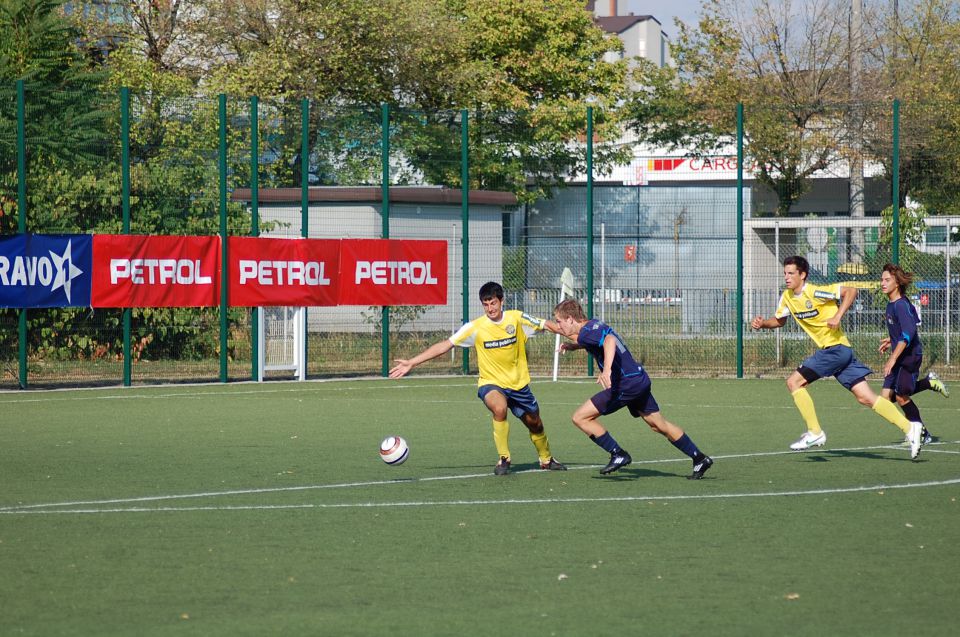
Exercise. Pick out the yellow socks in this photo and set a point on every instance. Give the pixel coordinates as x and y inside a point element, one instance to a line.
<point>887,409</point>
<point>543,446</point>
<point>501,435</point>
<point>805,404</point>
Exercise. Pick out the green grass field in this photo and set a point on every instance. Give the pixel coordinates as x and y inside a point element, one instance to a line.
<point>249,509</point>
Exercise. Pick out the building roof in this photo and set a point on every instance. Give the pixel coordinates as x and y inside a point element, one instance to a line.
<point>399,194</point>
<point>620,23</point>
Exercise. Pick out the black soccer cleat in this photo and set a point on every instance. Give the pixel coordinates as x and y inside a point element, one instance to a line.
<point>552,465</point>
<point>502,467</point>
<point>928,437</point>
<point>618,460</point>
<point>700,468</point>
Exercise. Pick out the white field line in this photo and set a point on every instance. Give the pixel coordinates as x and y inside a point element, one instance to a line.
<point>62,507</point>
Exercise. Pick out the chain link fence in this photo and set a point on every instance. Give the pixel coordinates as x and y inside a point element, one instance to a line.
<point>652,239</point>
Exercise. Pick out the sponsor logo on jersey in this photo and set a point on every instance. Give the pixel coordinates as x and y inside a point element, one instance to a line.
<point>806,315</point>
<point>395,272</point>
<point>823,294</point>
<point>503,342</point>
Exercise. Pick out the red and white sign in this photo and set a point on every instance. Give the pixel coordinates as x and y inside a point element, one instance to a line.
<point>393,272</point>
<point>155,271</point>
<point>298,272</point>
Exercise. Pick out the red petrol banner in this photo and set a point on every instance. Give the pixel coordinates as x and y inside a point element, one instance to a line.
<point>393,272</point>
<point>297,272</point>
<point>155,271</point>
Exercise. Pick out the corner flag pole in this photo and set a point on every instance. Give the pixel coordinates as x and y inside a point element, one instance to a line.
<point>566,289</point>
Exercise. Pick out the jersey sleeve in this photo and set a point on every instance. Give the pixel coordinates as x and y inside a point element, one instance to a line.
<point>466,336</point>
<point>907,321</point>
<point>783,311</point>
<point>827,292</point>
<point>531,325</point>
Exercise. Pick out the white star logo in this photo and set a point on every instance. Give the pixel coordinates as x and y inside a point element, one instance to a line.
<point>66,271</point>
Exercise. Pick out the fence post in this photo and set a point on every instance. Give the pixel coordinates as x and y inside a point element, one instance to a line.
<point>740,317</point>
<point>590,224</point>
<point>224,325</point>
<point>254,227</point>
<point>385,229</point>
<point>895,240</point>
<point>305,210</point>
<point>22,221</point>
<point>465,226</point>
<point>125,204</point>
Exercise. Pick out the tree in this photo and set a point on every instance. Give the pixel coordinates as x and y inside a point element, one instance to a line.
<point>785,63</point>
<point>919,66</point>
<point>65,118</point>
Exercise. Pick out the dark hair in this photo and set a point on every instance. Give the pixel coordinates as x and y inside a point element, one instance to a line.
<point>570,308</point>
<point>800,262</point>
<point>903,278</point>
<point>491,290</point>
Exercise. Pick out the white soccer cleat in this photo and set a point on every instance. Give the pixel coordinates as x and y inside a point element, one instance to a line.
<point>916,439</point>
<point>808,440</point>
<point>938,385</point>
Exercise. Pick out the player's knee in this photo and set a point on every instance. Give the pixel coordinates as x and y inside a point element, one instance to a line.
<point>534,425</point>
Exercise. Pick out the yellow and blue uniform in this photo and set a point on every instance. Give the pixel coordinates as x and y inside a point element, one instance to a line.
<point>501,347</point>
<point>812,308</point>
<point>502,361</point>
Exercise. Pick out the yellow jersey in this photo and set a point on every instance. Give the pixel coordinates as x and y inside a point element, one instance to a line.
<point>501,347</point>
<point>812,308</point>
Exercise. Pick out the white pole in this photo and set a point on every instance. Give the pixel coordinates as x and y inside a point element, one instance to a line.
<point>776,243</point>
<point>946,249</point>
<point>603,272</point>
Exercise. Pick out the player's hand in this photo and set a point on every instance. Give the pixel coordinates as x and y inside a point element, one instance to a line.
<point>833,322</point>
<point>757,322</point>
<point>884,344</point>
<point>888,367</point>
<point>402,367</point>
<point>604,379</point>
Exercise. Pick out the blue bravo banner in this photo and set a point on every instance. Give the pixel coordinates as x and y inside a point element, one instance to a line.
<point>50,270</point>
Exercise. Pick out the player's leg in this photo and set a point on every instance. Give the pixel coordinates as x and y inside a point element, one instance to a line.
<point>538,437</point>
<point>933,383</point>
<point>886,409</point>
<point>680,440</point>
<point>495,400</point>
<point>903,380</point>
<point>797,384</point>
<point>587,419</point>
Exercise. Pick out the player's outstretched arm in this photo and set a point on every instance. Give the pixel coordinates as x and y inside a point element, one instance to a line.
<point>772,323</point>
<point>404,365</point>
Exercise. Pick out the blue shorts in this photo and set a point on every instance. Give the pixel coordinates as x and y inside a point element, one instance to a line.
<point>837,361</point>
<point>520,401</point>
<point>635,395</point>
<point>903,379</point>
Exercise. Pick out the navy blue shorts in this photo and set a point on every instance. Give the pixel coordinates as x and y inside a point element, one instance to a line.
<point>903,379</point>
<point>520,401</point>
<point>837,361</point>
<point>635,395</point>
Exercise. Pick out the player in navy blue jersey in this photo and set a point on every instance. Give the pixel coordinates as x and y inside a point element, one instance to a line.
<point>902,367</point>
<point>625,384</point>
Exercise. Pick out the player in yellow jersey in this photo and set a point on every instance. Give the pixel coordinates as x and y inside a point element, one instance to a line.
<point>499,338</point>
<point>818,310</point>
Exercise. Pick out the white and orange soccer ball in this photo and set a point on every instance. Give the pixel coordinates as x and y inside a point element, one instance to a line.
<point>394,450</point>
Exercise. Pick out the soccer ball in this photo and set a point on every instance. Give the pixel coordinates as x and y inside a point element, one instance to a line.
<point>394,450</point>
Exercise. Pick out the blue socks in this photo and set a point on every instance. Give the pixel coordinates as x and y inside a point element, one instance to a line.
<point>684,444</point>
<point>606,442</point>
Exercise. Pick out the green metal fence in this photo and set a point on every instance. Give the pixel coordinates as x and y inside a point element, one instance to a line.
<point>676,250</point>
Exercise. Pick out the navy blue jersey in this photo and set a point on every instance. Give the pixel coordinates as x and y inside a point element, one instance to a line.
<point>591,338</point>
<point>902,322</point>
